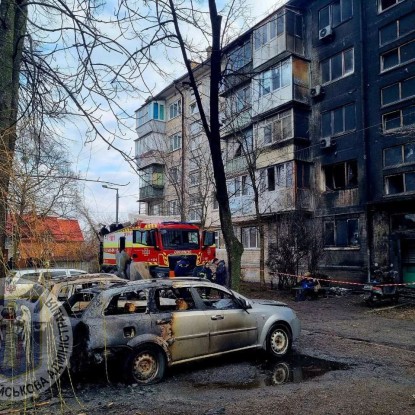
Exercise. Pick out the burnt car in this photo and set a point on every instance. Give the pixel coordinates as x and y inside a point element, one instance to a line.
<point>149,325</point>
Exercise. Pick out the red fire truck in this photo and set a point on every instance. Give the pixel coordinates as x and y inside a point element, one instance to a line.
<point>164,249</point>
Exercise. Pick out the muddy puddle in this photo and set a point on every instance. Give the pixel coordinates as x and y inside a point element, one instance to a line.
<point>296,369</point>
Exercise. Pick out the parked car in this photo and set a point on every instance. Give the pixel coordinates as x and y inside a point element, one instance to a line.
<point>149,325</point>
<point>21,281</point>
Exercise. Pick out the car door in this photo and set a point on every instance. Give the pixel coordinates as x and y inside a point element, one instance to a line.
<point>124,318</point>
<point>230,326</point>
<point>183,322</point>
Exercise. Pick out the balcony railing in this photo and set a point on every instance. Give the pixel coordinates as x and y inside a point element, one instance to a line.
<point>236,165</point>
<point>151,192</point>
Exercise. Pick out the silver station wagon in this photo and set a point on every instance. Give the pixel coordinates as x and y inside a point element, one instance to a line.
<point>152,324</point>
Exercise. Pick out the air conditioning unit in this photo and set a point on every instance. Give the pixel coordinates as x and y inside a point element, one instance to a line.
<point>325,33</point>
<point>317,91</point>
<point>327,142</point>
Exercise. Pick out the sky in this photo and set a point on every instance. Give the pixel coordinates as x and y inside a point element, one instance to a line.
<point>95,161</point>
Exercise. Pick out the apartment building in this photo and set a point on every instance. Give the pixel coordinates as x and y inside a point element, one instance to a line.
<point>318,115</point>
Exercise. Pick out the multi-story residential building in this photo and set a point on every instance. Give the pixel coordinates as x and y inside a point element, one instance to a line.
<point>319,114</point>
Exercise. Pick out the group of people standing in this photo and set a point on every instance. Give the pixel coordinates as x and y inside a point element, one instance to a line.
<point>214,271</point>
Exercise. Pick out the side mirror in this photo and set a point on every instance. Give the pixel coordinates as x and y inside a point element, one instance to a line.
<point>243,303</point>
<point>134,255</point>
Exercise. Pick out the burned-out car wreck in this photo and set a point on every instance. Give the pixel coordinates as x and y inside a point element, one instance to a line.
<point>149,325</point>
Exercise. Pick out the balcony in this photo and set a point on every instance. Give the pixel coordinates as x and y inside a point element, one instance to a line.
<point>236,165</point>
<point>152,157</point>
<point>283,32</point>
<point>342,198</point>
<point>151,192</point>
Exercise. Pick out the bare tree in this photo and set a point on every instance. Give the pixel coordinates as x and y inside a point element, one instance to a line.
<point>178,25</point>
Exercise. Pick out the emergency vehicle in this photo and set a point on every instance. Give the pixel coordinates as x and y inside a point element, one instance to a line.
<point>164,249</point>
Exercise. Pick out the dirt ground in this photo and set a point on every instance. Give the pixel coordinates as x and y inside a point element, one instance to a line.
<point>350,359</point>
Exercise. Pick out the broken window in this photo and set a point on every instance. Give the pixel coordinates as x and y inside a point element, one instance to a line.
<point>271,179</point>
<point>399,119</point>
<point>341,233</point>
<point>341,176</point>
<point>130,302</point>
<point>401,222</point>
<point>400,183</point>
<point>386,4</point>
<point>174,299</point>
<point>216,299</point>
<point>399,155</point>
<point>303,175</point>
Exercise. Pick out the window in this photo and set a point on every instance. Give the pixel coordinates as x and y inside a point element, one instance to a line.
<point>130,302</point>
<point>386,4</point>
<point>175,109</point>
<point>155,209</point>
<point>174,174</point>
<point>397,29</point>
<point>240,57</point>
<point>195,207</point>
<point>193,108</point>
<point>215,202</point>
<point>398,56</point>
<point>335,13</point>
<point>338,66</point>
<point>143,237</point>
<point>250,237</point>
<point>400,183</point>
<point>158,111</point>
<point>194,178</point>
<point>142,116</point>
<point>174,299</point>
<point>269,30</point>
<point>240,186</point>
<point>218,239</point>
<point>403,222</point>
<point>279,176</point>
<point>195,128</point>
<point>341,175</point>
<point>280,128</point>
<point>243,98</point>
<point>399,155</point>
<point>341,233</point>
<point>399,119</point>
<point>398,92</point>
<point>338,121</point>
<point>151,111</point>
<point>215,299</point>
<point>175,141</point>
<point>276,78</point>
<point>173,207</point>
<point>303,175</point>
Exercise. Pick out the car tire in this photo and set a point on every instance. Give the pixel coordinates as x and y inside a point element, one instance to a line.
<point>279,341</point>
<point>146,365</point>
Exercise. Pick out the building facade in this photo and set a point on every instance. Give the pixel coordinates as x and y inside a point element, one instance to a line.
<point>318,118</point>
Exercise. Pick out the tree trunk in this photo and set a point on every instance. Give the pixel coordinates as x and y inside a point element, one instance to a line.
<point>13,15</point>
<point>233,245</point>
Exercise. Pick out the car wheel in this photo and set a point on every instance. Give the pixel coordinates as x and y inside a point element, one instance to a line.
<point>279,341</point>
<point>146,365</point>
<point>281,374</point>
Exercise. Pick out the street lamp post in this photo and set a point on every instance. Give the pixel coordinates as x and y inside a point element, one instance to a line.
<point>117,198</point>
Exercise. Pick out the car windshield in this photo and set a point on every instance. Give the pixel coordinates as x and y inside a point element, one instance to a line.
<point>180,239</point>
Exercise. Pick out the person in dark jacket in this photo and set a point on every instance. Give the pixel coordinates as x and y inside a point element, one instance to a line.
<point>221,272</point>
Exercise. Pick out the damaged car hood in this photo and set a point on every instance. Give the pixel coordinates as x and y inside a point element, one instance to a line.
<point>268,302</point>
